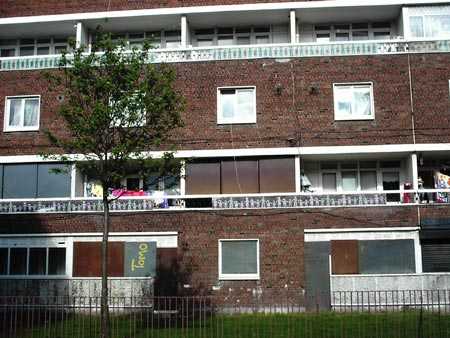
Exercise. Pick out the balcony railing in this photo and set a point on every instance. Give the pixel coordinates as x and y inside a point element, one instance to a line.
<point>349,48</point>
<point>250,201</point>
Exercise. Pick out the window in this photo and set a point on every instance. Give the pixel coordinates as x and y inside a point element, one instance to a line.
<point>22,113</point>
<point>238,259</point>
<point>34,261</point>
<point>430,26</point>
<point>354,31</point>
<point>240,176</point>
<point>236,105</point>
<point>353,101</point>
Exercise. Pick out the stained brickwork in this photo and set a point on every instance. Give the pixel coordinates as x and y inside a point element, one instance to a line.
<point>11,8</point>
<point>296,116</point>
<point>281,235</point>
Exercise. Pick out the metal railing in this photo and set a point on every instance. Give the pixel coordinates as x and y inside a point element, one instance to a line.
<point>227,201</point>
<point>348,48</point>
<point>225,317</point>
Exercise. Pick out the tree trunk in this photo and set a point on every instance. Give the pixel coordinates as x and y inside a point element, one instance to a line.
<point>104,298</point>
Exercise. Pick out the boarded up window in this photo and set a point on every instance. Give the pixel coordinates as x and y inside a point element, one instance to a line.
<point>436,255</point>
<point>277,175</point>
<point>87,259</point>
<point>386,256</point>
<point>203,178</point>
<point>344,257</point>
<point>240,176</point>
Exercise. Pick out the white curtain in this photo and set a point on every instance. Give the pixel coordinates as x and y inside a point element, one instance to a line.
<point>349,181</point>
<point>30,112</point>
<point>361,102</point>
<point>14,112</point>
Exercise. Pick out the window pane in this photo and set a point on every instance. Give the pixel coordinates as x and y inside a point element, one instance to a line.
<point>243,40</point>
<point>56,261</point>
<point>342,36</point>
<point>368,164</point>
<point>15,108</point>
<point>227,102</point>
<point>18,265</point>
<point>203,178</point>
<point>277,174</point>
<point>133,183</point>
<point>329,182</point>
<point>323,37</point>
<point>43,50</point>
<point>368,180</point>
<point>382,35</point>
<point>204,42</point>
<point>361,103</point>
<point>349,181</point>
<point>260,40</point>
<point>416,26</point>
<point>245,102</point>
<point>31,112</point>
<point>3,261</point>
<point>151,183</point>
<point>9,52</point>
<point>361,35</point>
<point>343,100</point>
<point>225,40</point>
<point>391,181</point>
<point>239,257</point>
<point>172,185</point>
<point>239,176</point>
<point>26,51</point>
<point>37,263</point>
<point>60,49</point>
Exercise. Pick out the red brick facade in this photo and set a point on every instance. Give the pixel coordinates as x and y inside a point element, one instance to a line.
<point>293,117</point>
<point>11,8</point>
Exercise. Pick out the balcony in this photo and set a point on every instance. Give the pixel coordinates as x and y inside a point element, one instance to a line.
<point>208,202</point>
<point>300,50</point>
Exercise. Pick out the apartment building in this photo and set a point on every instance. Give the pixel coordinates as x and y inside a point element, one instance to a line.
<point>317,139</point>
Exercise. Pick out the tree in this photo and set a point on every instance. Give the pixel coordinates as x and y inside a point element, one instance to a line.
<point>116,107</point>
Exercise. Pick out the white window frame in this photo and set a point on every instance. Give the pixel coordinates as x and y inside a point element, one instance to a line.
<point>240,276</point>
<point>338,117</point>
<point>7,127</point>
<point>235,120</point>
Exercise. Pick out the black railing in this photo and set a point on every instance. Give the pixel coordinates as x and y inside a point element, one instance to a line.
<point>406,314</point>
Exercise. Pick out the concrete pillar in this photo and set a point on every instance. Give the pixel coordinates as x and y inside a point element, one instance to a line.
<point>185,38</point>
<point>293,26</point>
<point>82,39</point>
<point>414,171</point>
<point>298,187</point>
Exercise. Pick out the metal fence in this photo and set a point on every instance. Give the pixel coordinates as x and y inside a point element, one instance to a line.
<point>409,314</point>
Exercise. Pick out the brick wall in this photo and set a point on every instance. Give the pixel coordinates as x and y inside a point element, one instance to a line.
<point>295,114</point>
<point>281,235</point>
<point>10,8</point>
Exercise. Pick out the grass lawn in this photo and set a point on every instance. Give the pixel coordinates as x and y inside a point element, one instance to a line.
<point>323,325</point>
